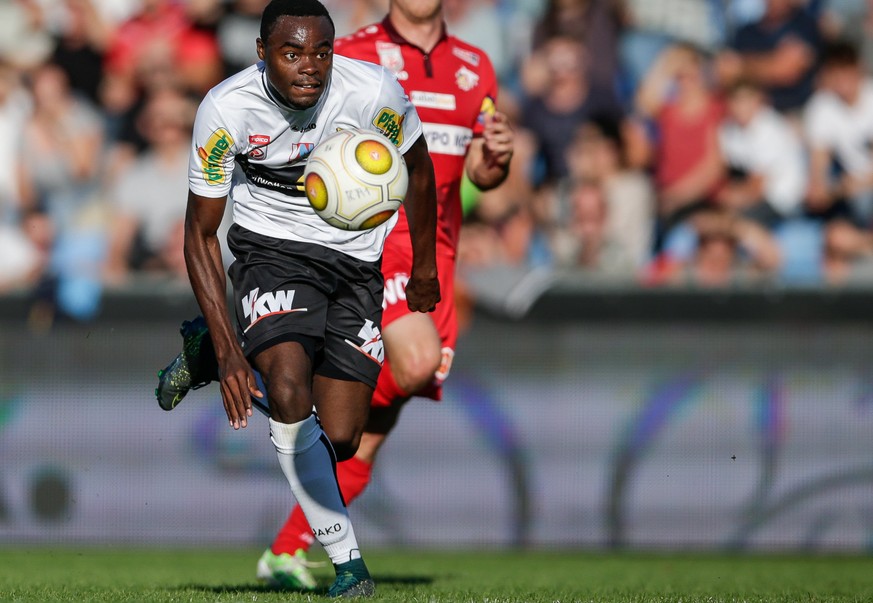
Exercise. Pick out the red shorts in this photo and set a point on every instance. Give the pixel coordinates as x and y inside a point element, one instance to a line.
<point>396,265</point>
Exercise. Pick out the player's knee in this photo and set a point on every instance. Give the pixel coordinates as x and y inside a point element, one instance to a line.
<point>414,371</point>
<point>345,442</point>
<point>290,400</point>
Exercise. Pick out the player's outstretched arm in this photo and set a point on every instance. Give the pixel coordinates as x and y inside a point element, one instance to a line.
<point>205,270</point>
<point>488,158</point>
<point>423,288</point>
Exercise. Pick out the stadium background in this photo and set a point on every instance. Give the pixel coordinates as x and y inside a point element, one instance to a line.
<point>558,430</point>
<point>589,406</point>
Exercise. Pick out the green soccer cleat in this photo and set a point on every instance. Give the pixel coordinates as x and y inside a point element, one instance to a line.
<point>286,571</point>
<point>193,368</point>
<point>352,580</point>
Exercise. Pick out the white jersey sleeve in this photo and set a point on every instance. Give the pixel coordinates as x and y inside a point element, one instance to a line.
<point>211,162</point>
<point>393,114</point>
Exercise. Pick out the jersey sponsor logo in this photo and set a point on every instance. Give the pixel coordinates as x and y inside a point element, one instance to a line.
<point>447,140</point>
<point>300,150</point>
<point>433,100</point>
<point>395,289</point>
<point>212,156</point>
<point>390,123</point>
<point>466,55</point>
<point>257,306</point>
<point>390,56</point>
<point>288,180</point>
<point>466,79</point>
<point>306,128</point>
<point>372,348</point>
<point>488,109</point>
<point>260,142</point>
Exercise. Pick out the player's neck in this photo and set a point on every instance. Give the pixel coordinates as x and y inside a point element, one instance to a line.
<point>424,34</point>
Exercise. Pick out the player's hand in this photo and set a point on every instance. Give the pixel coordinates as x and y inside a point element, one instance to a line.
<point>499,140</point>
<point>238,385</point>
<point>422,295</point>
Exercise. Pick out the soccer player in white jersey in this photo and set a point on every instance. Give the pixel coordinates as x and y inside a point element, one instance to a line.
<point>307,296</point>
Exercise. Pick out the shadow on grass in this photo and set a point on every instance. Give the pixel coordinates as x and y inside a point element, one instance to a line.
<point>243,589</point>
<point>403,580</point>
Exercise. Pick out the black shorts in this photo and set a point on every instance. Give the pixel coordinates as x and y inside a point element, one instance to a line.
<point>290,291</point>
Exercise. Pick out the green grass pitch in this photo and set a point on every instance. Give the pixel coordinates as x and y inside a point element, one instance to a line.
<point>144,576</point>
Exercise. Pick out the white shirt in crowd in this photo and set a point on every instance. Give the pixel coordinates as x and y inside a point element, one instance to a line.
<point>768,146</point>
<point>844,130</point>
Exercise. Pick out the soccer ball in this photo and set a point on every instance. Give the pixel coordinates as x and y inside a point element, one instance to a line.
<point>355,180</point>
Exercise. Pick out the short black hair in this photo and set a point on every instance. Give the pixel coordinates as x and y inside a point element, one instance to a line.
<point>290,8</point>
<point>840,53</point>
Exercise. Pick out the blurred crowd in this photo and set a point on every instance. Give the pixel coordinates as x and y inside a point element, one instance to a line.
<point>697,143</point>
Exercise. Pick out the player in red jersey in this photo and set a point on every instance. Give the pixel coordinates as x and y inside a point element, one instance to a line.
<point>453,87</point>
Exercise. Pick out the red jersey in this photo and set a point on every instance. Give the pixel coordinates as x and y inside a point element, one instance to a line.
<point>453,87</point>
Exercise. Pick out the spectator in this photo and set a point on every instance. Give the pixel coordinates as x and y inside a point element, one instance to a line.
<point>560,99</point>
<point>237,29</point>
<point>160,42</point>
<point>14,109</point>
<point>596,156</point>
<point>25,251</point>
<point>62,141</point>
<point>351,15</point>
<point>677,98</point>
<point>24,41</point>
<point>839,129</point>
<point>479,22</point>
<point>596,23</point>
<point>80,46</point>
<point>585,242</point>
<point>148,198</point>
<point>653,26</point>
<point>848,255</point>
<point>779,52</point>
<point>728,250</point>
<point>765,160</point>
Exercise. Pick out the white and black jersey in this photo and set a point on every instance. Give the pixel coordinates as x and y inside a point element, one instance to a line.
<point>249,145</point>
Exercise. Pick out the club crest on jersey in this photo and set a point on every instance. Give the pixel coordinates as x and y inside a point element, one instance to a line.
<point>390,123</point>
<point>257,305</point>
<point>300,150</point>
<point>372,346</point>
<point>390,56</point>
<point>466,79</point>
<point>466,55</point>
<point>259,142</point>
<point>212,156</point>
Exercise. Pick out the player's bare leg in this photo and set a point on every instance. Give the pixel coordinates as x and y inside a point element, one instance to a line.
<point>345,417</point>
<point>413,349</point>
<point>307,457</point>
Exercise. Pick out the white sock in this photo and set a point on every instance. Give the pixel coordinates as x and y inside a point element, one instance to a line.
<point>307,460</point>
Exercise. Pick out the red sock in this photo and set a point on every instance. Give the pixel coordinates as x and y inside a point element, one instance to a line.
<point>387,390</point>
<point>353,476</point>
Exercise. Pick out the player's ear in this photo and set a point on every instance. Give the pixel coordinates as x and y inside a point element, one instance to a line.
<point>260,46</point>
